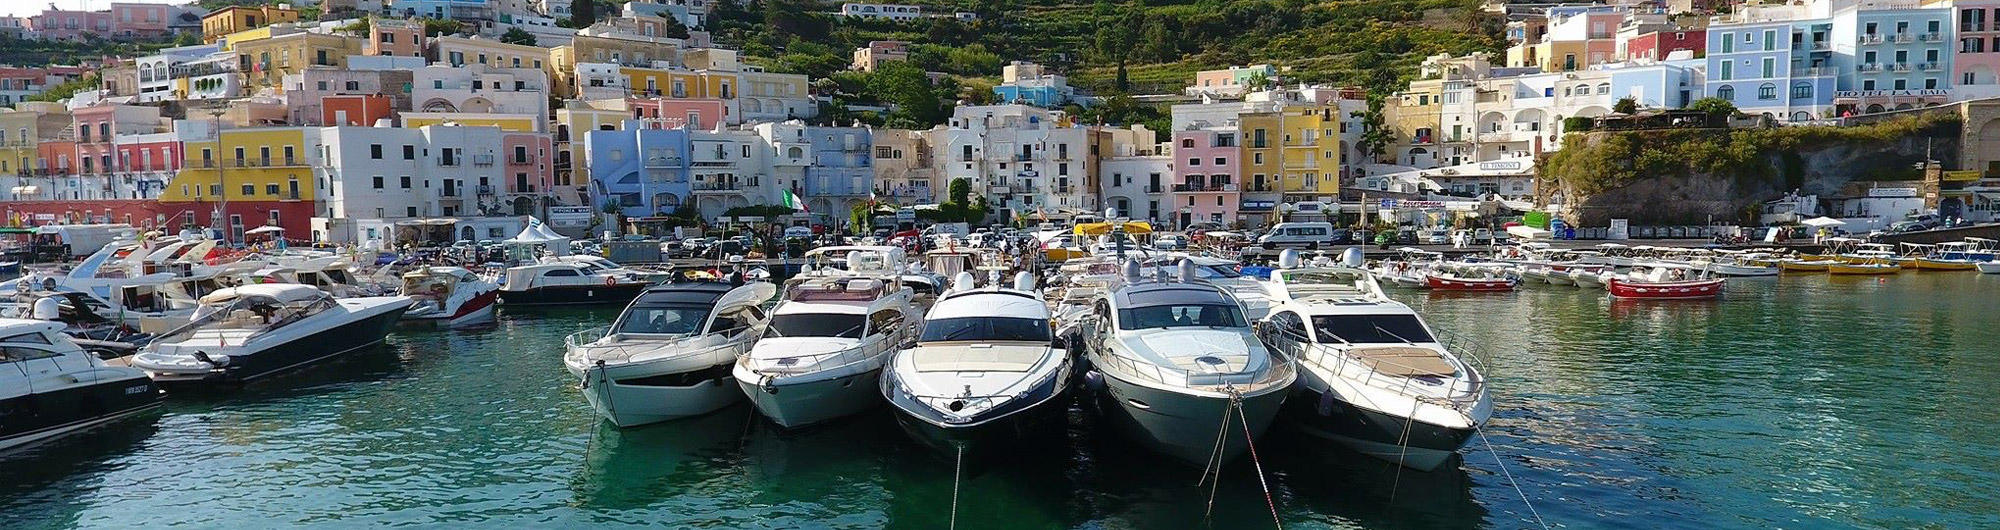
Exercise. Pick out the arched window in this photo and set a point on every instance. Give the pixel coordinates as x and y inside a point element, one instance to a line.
<point>1187,143</point>
<point>1767,91</point>
<point>1726,92</point>
<point>1603,88</point>
<point>1802,91</point>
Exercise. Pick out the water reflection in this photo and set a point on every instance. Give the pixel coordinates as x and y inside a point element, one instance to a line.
<point>641,466</point>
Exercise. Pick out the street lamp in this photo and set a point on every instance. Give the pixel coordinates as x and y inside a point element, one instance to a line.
<point>215,113</point>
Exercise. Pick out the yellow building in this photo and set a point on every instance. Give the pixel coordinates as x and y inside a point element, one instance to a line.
<point>1550,56</point>
<point>18,135</point>
<point>461,51</point>
<point>1294,150</point>
<point>679,83</point>
<point>260,164</point>
<point>618,49</point>
<point>576,119</point>
<point>266,62</point>
<point>506,122</point>
<point>238,18</point>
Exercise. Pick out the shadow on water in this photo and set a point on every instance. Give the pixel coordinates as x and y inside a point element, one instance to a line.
<point>1326,482</point>
<point>641,466</point>
<point>50,484</point>
<point>372,364</point>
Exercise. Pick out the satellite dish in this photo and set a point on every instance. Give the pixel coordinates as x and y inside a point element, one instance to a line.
<point>1289,259</point>
<point>1024,281</point>
<point>1186,267</point>
<point>1353,257</point>
<point>964,281</point>
<point>1131,271</point>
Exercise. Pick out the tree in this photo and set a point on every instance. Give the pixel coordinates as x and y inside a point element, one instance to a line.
<point>1257,81</point>
<point>434,27</point>
<point>1626,105</point>
<point>582,13</point>
<point>68,88</point>
<point>1714,106</point>
<point>187,38</point>
<point>674,29</point>
<point>1375,133</point>
<point>516,35</point>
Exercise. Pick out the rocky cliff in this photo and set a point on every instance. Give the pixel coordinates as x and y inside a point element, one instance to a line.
<point>1690,176</point>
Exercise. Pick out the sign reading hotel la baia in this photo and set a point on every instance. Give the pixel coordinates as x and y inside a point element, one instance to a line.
<point>1920,92</point>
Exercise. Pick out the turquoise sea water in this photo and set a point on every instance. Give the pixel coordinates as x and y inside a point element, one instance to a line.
<point>1798,402</point>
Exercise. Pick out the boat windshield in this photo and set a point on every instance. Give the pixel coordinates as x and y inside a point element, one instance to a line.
<point>986,329</point>
<point>1370,329</point>
<point>816,325</point>
<point>664,320</point>
<point>1181,316</point>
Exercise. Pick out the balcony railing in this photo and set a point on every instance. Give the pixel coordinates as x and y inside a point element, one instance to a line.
<point>1816,71</point>
<point>717,186</point>
<point>1931,37</point>
<point>1183,188</point>
<point>1871,38</point>
<point>1820,46</point>
<point>1903,38</point>
<point>482,160</point>
<point>1901,68</point>
<point>1930,67</point>
<point>448,193</point>
<point>1972,26</point>
<point>1155,188</point>
<point>1869,68</point>
<point>485,189</point>
<point>664,161</point>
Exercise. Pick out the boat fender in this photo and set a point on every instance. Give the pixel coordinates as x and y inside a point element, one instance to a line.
<point>1326,403</point>
<point>768,386</point>
<point>217,360</point>
<point>610,280</point>
<point>1093,381</point>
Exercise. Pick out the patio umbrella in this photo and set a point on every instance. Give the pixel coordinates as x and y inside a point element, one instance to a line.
<point>1822,222</point>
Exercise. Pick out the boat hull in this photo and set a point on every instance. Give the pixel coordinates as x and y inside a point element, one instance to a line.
<point>1036,423</point>
<point>1666,290</point>
<point>277,358</point>
<point>477,310</point>
<point>1989,267</point>
<point>1424,446</point>
<point>1444,283</point>
<point>1929,264</point>
<point>1185,425</point>
<point>1804,266</point>
<point>799,401</point>
<point>1743,270</point>
<point>574,294</point>
<point>1862,269</point>
<point>39,417</point>
<point>633,401</point>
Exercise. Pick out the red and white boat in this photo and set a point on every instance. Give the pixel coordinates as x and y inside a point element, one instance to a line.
<point>449,297</point>
<point>1661,281</point>
<point>1446,282</point>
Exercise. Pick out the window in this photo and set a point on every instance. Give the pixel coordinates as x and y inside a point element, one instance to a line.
<point>1770,40</point>
<point>406,182</point>
<point>1767,91</point>
<point>1728,45</point>
<point>1194,162</point>
<point>249,189</point>
<point>1727,71</point>
<point>378,182</point>
<point>354,85</point>
<point>1902,84</point>
<point>816,325</point>
<point>409,152</point>
<point>375,151</point>
<point>1868,84</point>
<point>1770,67</point>
<point>1726,92</point>
<point>1181,315</point>
<point>1930,83</point>
<point>1802,91</point>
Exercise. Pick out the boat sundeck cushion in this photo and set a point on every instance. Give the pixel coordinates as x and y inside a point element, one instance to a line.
<point>1404,361</point>
<point>976,358</point>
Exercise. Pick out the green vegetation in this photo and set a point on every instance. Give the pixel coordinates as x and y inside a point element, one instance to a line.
<point>914,101</point>
<point>435,27</point>
<point>1597,162</point>
<point>961,208</point>
<point>68,88</point>
<point>24,52</point>
<point>516,35</point>
<point>1132,47</point>
<point>1714,106</point>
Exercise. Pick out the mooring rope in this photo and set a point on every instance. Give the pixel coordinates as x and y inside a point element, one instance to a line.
<point>1403,447</point>
<point>1510,477</point>
<point>957,469</point>
<point>1237,400</point>
<point>1215,460</point>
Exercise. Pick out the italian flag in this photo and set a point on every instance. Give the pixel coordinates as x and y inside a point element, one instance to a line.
<point>792,201</point>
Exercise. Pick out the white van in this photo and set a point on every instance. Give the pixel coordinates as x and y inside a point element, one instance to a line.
<point>1294,235</point>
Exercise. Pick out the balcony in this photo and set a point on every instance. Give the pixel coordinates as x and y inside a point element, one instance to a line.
<point>717,186</point>
<point>1186,188</point>
<point>1869,68</point>
<point>1931,37</point>
<point>664,161</point>
<point>1929,67</point>
<point>486,190</point>
<point>1155,188</point>
<point>521,190</point>
<point>1816,71</point>
<point>1871,38</point>
<point>450,194</point>
<point>1903,38</point>
<point>1901,68</point>
<point>999,190</point>
<point>1972,26</point>
<point>1022,158</point>
<point>482,160</point>
<point>1820,46</point>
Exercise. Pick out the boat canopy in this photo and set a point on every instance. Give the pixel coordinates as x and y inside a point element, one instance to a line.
<point>281,292</point>
<point>1098,229</point>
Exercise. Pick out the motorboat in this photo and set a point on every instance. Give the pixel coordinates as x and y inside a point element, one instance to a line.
<point>50,386</point>
<point>1804,265</point>
<point>1952,256</point>
<point>668,356</point>
<point>1864,268</point>
<point>1171,361</point>
<point>449,297</point>
<point>240,334</point>
<point>568,283</point>
<point>1988,267</point>
<point>1591,278</point>
<point>1372,375</point>
<point>1739,264</point>
<point>1446,281</point>
<point>1665,281</point>
<point>822,354</point>
<point>985,373</point>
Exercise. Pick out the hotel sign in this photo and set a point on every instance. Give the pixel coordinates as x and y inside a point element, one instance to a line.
<point>1508,165</point>
<point>1892,192</point>
<point>1892,93</point>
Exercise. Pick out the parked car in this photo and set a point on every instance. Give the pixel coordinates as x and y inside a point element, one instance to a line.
<point>1437,236</point>
<point>1482,236</point>
<point>1170,242</point>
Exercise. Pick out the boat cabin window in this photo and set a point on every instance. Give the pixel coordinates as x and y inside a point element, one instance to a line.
<point>560,272</point>
<point>1217,271</point>
<point>663,320</point>
<point>884,321</point>
<point>1291,324</point>
<point>31,338</point>
<point>14,354</point>
<point>986,329</point>
<point>1370,329</point>
<point>1181,316</point>
<point>816,325</point>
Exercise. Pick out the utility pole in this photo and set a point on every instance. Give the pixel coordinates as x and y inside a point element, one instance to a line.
<point>215,113</point>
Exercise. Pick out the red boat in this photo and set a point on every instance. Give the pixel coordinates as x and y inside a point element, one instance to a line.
<point>1454,283</point>
<point>1623,288</point>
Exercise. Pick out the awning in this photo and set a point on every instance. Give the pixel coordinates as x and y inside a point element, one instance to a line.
<point>27,190</point>
<point>264,230</point>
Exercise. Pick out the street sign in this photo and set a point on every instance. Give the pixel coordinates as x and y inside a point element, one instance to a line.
<point>1388,204</point>
<point>570,216</point>
<point>906,215</point>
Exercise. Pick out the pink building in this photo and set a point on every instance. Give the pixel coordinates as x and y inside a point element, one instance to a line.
<point>394,37</point>
<point>1206,176</point>
<point>670,113</point>
<point>1978,58</point>
<point>149,160</point>
<point>59,24</point>
<point>97,130</point>
<point>1659,44</point>
<point>528,172</point>
<point>139,21</point>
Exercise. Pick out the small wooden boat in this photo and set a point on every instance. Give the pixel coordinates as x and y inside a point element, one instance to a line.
<point>1663,281</point>
<point>1875,267</point>
<point>1456,283</point>
<point>1804,265</point>
<point>1941,264</point>
<point>1988,267</point>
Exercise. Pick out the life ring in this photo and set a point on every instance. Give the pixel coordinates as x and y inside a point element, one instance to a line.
<point>610,281</point>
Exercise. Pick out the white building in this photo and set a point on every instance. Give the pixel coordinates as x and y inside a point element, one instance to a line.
<point>477,88</point>
<point>729,168</point>
<point>372,178</point>
<point>1025,159</point>
<point>888,11</point>
<point>1139,186</point>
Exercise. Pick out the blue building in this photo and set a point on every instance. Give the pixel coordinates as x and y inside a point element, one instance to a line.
<point>1784,69</point>
<point>1903,59</point>
<point>461,10</point>
<point>1669,85</point>
<point>842,171</point>
<point>1041,93</point>
<point>643,171</point>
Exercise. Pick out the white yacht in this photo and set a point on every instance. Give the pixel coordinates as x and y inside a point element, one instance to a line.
<point>1372,375</point>
<point>823,352</point>
<point>49,386</point>
<point>1169,358</point>
<point>449,296</point>
<point>569,282</point>
<point>984,374</point>
<point>244,333</point>
<point>668,356</point>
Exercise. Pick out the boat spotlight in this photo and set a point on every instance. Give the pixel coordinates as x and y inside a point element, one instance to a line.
<point>964,281</point>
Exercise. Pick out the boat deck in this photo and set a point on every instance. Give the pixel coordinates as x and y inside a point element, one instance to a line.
<point>1403,361</point>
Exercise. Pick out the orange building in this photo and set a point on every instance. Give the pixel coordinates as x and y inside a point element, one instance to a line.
<point>357,110</point>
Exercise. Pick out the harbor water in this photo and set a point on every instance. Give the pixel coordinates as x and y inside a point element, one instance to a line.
<point>1795,402</point>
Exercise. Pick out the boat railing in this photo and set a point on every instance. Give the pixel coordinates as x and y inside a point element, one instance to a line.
<point>1342,360</point>
<point>622,352</point>
<point>1279,372</point>
<point>799,364</point>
